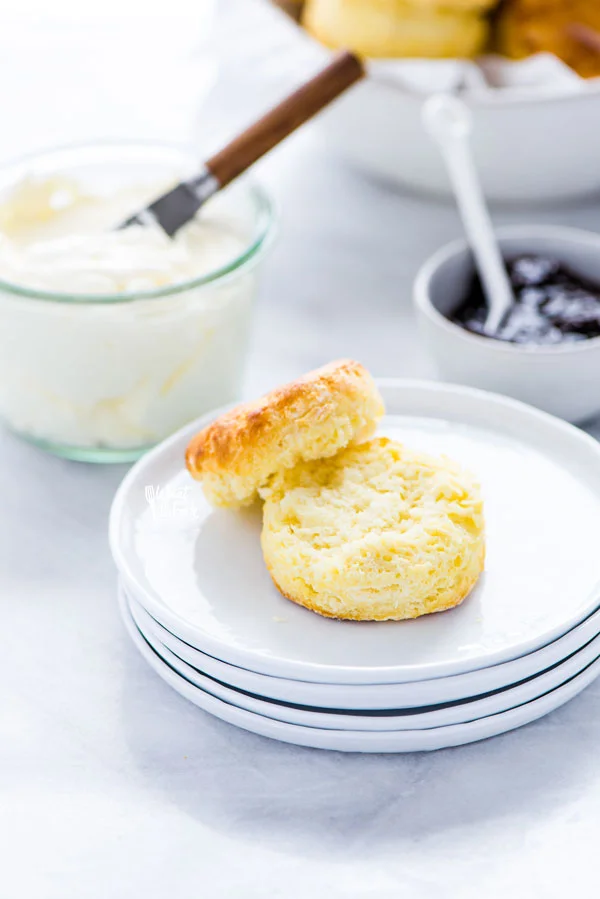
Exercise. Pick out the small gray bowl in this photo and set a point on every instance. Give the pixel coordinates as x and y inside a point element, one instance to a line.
<point>564,379</point>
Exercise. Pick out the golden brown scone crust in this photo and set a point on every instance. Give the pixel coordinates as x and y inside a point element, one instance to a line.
<point>310,418</point>
<point>526,27</point>
<point>388,611</point>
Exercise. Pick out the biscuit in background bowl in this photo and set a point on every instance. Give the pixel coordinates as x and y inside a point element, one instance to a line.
<point>526,27</point>
<point>400,28</point>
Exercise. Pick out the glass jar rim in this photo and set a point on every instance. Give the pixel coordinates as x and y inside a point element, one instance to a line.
<point>265,223</point>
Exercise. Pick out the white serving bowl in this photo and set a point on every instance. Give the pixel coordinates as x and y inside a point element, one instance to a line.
<point>563,380</point>
<point>536,138</point>
<point>529,145</point>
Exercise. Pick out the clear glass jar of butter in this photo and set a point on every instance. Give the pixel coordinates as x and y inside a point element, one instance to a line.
<point>110,342</point>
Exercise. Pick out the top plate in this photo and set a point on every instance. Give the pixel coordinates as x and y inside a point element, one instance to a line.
<point>200,572</point>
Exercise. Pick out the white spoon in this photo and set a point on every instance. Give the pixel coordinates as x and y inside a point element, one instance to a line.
<point>448,121</point>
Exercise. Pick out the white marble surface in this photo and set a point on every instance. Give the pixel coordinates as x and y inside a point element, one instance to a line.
<point>113,786</point>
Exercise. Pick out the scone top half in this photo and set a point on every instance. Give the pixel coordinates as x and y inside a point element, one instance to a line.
<point>311,418</point>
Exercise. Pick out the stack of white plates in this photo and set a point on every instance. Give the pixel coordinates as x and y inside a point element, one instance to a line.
<point>198,603</point>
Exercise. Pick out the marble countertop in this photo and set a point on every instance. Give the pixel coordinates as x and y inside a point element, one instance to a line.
<point>113,786</point>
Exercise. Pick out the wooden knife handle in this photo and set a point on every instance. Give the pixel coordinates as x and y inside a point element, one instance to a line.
<point>300,106</point>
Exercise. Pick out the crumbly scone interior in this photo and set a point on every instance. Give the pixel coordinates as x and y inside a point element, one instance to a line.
<point>376,532</point>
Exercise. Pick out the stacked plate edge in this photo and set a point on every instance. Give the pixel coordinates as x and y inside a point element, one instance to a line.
<point>200,606</point>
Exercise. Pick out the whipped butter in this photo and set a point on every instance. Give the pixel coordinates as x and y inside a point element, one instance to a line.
<point>93,367</point>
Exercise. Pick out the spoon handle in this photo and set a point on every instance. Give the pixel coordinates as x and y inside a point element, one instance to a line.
<point>448,121</point>
<point>296,109</point>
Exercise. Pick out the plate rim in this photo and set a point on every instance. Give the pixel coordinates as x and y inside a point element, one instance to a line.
<point>431,739</point>
<point>384,689</point>
<point>318,672</point>
<point>544,682</point>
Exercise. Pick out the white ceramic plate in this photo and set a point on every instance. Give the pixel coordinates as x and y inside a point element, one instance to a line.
<point>200,571</point>
<point>372,696</point>
<point>399,719</point>
<point>378,126</point>
<point>361,741</point>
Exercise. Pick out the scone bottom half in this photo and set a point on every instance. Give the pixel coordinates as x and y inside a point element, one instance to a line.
<point>311,418</point>
<point>379,532</point>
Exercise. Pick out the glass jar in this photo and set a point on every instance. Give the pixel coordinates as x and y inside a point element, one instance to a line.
<point>103,377</point>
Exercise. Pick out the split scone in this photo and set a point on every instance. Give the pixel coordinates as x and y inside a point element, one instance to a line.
<point>400,28</point>
<point>377,532</point>
<point>525,27</point>
<point>311,418</point>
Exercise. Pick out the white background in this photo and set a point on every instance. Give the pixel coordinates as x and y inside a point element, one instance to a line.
<point>110,784</point>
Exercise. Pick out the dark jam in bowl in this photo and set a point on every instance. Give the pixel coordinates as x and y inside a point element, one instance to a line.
<point>553,305</point>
